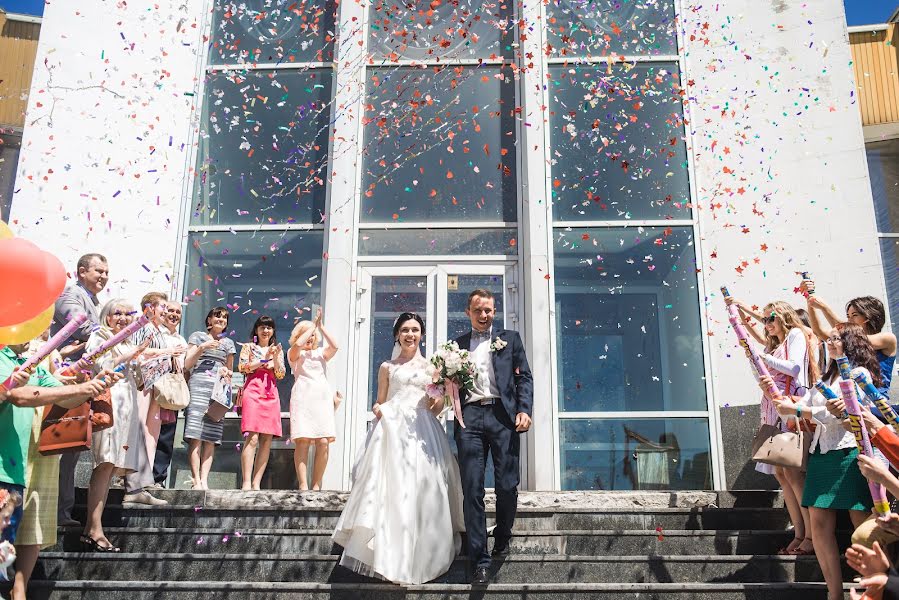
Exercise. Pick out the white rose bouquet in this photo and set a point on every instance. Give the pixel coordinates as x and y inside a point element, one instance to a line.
<point>454,372</point>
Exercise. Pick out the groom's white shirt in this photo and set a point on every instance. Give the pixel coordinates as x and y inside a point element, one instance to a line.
<point>485,383</point>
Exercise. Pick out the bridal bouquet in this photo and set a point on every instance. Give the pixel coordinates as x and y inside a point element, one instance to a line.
<point>453,372</point>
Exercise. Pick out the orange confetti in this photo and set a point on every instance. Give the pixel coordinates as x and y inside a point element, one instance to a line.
<point>449,175</point>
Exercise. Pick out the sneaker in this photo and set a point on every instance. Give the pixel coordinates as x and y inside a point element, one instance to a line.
<point>155,486</point>
<point>143,497</point>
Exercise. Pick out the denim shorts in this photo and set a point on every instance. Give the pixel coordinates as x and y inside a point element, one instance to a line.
<point>8,533</point>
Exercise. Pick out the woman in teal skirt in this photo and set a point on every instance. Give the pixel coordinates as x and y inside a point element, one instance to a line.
<point>833,481</point>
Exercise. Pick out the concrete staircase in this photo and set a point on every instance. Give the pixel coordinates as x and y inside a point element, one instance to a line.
<point>234,545</point>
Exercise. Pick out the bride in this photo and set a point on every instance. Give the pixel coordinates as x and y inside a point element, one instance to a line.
<point>404,513</point>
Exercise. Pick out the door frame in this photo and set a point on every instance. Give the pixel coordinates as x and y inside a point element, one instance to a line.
<point>435,272</point>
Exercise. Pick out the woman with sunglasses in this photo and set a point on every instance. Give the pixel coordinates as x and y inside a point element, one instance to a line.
<point>792,363</point>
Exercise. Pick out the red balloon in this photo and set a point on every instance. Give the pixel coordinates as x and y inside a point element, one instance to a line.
<point>30,279</point>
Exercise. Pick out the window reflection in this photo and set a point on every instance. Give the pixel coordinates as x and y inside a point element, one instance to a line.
<point>644,454</point>
<point>582,28</point>
<point>617,142</point>
<point>445,242</point>
<point>264,273</point>
<point>428,31</point>
<point>264,155</point>
<point>627,320</point>
<point>439,145</point>
<point>272,31</point>
<point>883,169</point>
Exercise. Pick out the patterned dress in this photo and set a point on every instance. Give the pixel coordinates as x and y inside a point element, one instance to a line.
<point>261,411</point>
<point>202,379</point>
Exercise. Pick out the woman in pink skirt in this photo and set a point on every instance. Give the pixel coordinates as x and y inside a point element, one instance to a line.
<point>262,363</point>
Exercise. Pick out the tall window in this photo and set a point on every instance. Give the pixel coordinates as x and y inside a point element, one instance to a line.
<point>256,226</point>
<point>439,129</point>
<point>883,169</point>
<point>632,403</point>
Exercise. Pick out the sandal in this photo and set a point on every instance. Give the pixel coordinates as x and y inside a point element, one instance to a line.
<point>91,545</point>
<point>786,550</point>
<point>798,551</point>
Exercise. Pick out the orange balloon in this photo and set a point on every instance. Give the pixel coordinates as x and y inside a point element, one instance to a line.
<point>27,331</point>
<point>30,278</point>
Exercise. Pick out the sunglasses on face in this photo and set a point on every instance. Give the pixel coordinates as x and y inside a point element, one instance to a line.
<point>769,320</point>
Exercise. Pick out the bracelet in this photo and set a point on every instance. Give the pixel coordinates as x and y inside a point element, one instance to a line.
<point>799,412</point>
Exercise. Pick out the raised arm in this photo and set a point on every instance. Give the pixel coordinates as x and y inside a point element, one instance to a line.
<point>293,355</point>
<point>883,341</point>
<point>330,348</point>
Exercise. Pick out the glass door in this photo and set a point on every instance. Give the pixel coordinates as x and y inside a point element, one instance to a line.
<point>439,294</point>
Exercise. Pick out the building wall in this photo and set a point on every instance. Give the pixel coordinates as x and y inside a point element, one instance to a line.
<point>779,177</point>
<point>108,131</point>
<point>783,182</point>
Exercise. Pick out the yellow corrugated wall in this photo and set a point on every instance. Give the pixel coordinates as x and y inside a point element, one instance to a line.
<point>874,59</point>
<point>18,48</point>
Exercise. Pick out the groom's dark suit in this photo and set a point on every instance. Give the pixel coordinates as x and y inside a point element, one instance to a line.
<point>491,428</point>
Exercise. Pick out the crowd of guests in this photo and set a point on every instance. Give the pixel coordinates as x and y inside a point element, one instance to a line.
<point>801,348</point>
<point>37,491</point>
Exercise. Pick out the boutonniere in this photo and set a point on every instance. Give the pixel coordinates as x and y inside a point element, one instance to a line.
<point>498,344</point>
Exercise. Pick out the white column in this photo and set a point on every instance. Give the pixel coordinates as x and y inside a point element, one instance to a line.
<point>338,283</point>
<point>536,231</point>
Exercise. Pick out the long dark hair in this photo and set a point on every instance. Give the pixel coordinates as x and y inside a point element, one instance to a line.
<point>871,309</point>
<point>264,321</point>
<point>407,316</point>
<point>859,352</point>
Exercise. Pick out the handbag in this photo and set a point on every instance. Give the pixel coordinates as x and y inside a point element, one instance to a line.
<point>171,390</point>
<point>101,411</point>
<point>65,430</point>
<point>789,449</point>
<point>220,401</point>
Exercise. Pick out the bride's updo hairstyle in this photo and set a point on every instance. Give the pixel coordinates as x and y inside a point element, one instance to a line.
<point>400,320</point>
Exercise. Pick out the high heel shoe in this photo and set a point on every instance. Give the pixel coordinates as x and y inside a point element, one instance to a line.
<point>89,544</point>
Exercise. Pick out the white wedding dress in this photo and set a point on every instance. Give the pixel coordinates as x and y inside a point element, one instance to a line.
<point>403,518</point>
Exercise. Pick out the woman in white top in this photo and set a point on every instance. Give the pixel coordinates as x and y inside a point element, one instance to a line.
<point>833,481</point>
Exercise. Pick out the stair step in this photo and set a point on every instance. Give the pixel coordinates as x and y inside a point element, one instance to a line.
<point>218,590</point>
<point>186,516</point>
<point>516,569</point>
<point>318,541</point>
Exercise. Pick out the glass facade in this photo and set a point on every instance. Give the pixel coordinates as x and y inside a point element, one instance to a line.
<point>434,120</point>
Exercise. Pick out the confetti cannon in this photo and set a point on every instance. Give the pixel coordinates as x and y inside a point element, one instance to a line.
<point>878,493</point>
<point>755,360</point>
<point>49,346</point>
<point>861,376</point>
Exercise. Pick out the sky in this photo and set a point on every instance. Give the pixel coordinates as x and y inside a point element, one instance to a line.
<point>858,12</point>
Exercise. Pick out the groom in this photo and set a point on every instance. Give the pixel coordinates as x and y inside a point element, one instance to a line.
<point>495,412</point>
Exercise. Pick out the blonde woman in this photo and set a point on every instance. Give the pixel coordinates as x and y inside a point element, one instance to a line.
<point>312,401</point>
<point>793,366</point>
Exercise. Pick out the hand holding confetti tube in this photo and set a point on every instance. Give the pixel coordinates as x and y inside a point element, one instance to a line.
<point>878,493</point>
<point>49,346</point>
<point>755,360</point>
<point>861,376</point>
<point>88,359</point>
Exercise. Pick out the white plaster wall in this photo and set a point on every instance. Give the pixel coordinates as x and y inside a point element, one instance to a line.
<point>107,136</point>
<point>780,164</point>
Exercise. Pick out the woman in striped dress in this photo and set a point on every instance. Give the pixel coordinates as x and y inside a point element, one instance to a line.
<point>209,358</point>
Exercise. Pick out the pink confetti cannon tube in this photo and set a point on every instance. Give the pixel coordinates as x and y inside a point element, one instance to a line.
<point>88,359</point>
<point>755,360</point>
<point>878,493</point>
<point>49,346</point>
